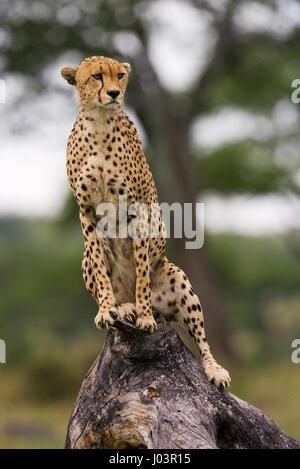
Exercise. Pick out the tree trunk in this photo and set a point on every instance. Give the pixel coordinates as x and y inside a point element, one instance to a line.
<point>149,391</point>
<point>177,183</point>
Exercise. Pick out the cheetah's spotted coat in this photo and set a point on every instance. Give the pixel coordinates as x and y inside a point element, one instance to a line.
<point>105,161</point>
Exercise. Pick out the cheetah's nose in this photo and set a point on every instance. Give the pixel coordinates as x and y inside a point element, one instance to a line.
<point>113,93</point>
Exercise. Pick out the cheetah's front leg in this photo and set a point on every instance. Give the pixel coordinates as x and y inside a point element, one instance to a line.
<point>145,319</point>
<point>95,273</point>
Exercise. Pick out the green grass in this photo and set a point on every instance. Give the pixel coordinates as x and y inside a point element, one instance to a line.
<point>275,389</point>
<point>25,423</point>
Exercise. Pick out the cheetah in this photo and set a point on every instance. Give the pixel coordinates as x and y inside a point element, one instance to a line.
<point>105,162</point>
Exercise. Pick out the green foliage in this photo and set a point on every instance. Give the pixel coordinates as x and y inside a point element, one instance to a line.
<point>250,71</point>
<point>255,263</point>
<point>39,35</point>
<point>260,282</point>
<point>244,167</point>
<point>42,289</point>
<point>256,73</point>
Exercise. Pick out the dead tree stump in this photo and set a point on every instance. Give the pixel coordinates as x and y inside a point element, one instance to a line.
<point>149,391</point>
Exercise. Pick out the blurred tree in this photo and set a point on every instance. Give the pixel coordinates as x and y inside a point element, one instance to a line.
<point>249,69</point>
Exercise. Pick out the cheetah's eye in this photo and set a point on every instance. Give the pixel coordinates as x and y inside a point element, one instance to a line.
<point>97,76</point>
<point>120,75</point>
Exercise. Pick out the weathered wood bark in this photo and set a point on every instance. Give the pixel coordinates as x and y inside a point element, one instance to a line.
<point>149,391</point>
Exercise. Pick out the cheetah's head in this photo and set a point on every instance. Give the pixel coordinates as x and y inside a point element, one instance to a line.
<point>99,81</point>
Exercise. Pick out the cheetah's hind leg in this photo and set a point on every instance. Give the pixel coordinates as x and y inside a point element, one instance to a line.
<point>173,296</point>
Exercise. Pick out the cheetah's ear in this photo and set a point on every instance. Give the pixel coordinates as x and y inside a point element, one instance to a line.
<point>127,67</point>
<point>69,73</point>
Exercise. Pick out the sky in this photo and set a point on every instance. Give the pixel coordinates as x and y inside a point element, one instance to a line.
<point>33,179</point>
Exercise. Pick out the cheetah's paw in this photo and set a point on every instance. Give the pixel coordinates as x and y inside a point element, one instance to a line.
<point>218,375</point>
<point>106,317</point>
<point>127,311</point>
<point>146,323</point>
